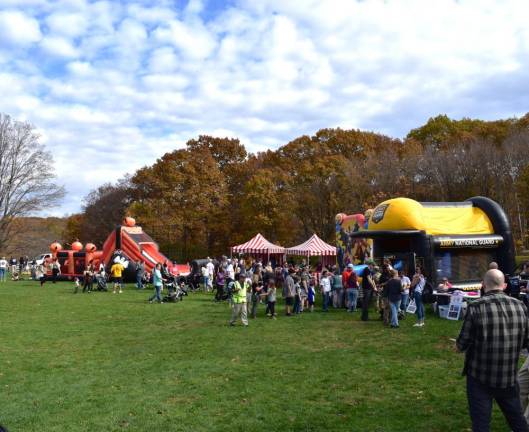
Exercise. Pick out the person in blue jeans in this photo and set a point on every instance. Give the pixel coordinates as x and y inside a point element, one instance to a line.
<point>140,271</point>
<point>3,269</point>
<point>350,283</point>
<point>157,282</point>
<point>352,295</point>
<point>394,291</point>
<point>405,296</point>
<point>417,283</point>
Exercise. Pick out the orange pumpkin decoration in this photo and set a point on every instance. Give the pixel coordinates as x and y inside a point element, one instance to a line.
<point>129,221</point>
<point>90,247</point>
<point>77,246</point>
<point>55,247</point>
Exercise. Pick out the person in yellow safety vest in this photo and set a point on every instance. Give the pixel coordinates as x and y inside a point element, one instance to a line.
<point>239,300</point>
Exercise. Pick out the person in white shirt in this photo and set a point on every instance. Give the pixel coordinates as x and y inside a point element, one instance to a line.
<point>405,295</point>
<point>325,284</point>
<point>211,272</point>
<point>230,270</point>
<point>205,277</point>
<point>40,273</point>
<point>3,269</point>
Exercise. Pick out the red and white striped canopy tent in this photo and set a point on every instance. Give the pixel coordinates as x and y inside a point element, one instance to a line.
<point>258,245</point>
<point>314,246</point>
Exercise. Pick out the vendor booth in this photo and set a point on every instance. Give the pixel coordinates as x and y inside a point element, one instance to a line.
<point>315,246</point>
<point>452,240</point>
<point>261,248</point>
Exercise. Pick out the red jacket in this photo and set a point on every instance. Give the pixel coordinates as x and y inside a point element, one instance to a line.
<point>345,277</point>
<point>349,279</point>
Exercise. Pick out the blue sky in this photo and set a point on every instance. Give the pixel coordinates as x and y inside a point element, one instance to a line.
<point>113,85</point>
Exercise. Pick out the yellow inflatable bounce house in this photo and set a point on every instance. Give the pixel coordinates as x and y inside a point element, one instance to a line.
<point>446,239</point>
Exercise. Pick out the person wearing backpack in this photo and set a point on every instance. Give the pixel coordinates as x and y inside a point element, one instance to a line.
<point>350,282</point>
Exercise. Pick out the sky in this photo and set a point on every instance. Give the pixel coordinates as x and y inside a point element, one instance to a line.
<point>113,85</point>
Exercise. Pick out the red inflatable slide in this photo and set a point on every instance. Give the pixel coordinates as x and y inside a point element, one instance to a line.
<point>127,244</point>
<point>131,243</point>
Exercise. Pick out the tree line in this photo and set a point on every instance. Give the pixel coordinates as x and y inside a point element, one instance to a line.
<point>199,200</point>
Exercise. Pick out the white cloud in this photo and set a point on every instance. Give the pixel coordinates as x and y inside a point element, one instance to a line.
<point>194,7</point>
<point>67,24</point>
<point>116,84</point>
<point>163,60</point>
<point>150,15</point>
<point>17,28</point>
<point>131,34</point>
<point>80,68</point>
<point>58,47</point>
<point>194,40</point>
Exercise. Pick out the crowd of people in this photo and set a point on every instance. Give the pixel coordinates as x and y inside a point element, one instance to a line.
<point>15,267</point>
<point>252,283</point>
<point>494,332</point>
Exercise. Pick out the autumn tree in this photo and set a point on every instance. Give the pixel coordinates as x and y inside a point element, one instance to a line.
<point>442,132</point>
<point>104,209</point>
<point>266,206</point>
<point>180,199</point>
<point>35,235</point>
<point>73,228</point>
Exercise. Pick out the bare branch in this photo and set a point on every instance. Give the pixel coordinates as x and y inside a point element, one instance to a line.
<point>26,175</point>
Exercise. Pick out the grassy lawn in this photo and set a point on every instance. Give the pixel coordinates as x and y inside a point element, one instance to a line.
<point>104,362</point>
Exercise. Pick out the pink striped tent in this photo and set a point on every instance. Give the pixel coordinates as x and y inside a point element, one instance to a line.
<point>259,246</point>
<point>315,246</point>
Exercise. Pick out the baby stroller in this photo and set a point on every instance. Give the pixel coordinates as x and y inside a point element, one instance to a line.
<point>101,283</point>
<point>146,279</point>
<point>174,292</point>
<point>182,285</point>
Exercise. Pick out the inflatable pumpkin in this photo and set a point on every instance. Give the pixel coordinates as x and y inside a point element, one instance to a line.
<point>129,221</point>
<point>77,246</point>
<point>55,247</point>
<point>90,247</point>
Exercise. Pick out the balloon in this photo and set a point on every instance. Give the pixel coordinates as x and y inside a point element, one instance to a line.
<point>77,246</point>
<point>129,221</point>
<point>90,247</point>
<point>55,247</point>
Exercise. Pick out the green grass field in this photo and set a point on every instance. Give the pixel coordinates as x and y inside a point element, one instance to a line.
<point>104,362</point>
